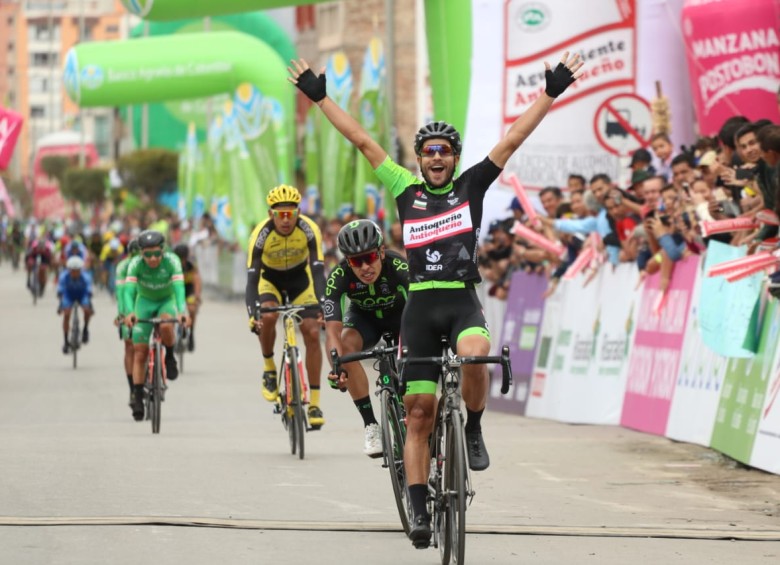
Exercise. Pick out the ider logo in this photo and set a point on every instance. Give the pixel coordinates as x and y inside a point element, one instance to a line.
<point>433,257</point>
<point>533,17</point>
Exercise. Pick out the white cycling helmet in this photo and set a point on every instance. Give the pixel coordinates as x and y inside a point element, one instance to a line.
<point>75,263</point>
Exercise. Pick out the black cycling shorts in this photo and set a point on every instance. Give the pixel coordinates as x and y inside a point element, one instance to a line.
<point>370,327</point>
<point>431,314</point>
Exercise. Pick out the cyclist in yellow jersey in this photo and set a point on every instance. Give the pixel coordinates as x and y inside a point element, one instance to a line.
<point>285,255</point>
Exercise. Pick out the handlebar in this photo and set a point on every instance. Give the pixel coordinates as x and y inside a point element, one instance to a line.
<point>456,361</point>
<point>287,307</point>
<point>374,353</point>
<point>157,321</point>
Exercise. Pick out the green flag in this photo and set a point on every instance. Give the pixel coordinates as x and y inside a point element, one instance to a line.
<point>311,202</point>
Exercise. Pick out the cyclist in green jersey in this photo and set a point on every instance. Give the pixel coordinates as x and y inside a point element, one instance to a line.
<point>441,217</point>
<point>122,310</point>
<point>154,287</point>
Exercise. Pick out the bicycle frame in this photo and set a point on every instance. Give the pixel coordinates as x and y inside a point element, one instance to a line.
<point>156,378</point>
<point>449,481</point>
<point>393,417</point>
<point>296,392</point>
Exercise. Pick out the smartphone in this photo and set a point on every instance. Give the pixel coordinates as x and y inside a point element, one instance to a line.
<point>745,174</point>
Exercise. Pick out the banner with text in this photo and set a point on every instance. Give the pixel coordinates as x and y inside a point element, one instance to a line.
<point>733,58</point>
<point>655,357</point>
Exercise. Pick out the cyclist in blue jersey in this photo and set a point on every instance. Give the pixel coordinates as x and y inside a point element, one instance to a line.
<point>74,287</point>
<point>440,217</point>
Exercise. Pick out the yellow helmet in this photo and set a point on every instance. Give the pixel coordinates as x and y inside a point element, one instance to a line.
<point>283,194</point>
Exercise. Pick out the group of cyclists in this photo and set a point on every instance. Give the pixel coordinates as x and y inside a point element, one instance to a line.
<point>419,301</point>
<point>372,291</point>
<point>144,277</point>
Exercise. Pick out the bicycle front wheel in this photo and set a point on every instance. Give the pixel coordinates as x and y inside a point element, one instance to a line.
<point>75,334</point>
<point>455,488</point>
<point>157,386</point>
<point>298,418</point>
<point>393,439</point>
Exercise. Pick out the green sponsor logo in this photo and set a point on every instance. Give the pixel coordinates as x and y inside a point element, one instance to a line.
<point>533,16</point>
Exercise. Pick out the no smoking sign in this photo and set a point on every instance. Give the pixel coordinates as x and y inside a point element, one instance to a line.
<point>623,123</point>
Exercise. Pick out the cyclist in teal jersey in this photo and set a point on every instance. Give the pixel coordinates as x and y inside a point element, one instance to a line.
<point>440,217</point>
<point>122,309</point>
<point>154,287</point>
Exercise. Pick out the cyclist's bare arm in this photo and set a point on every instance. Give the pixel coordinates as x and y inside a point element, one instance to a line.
<point>342,121</point>
<point>527,122</point>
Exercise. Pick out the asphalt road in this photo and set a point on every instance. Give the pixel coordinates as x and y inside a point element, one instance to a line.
<point>83,483</point>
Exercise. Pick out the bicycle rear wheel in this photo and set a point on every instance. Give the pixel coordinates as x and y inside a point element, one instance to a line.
<point>393,439</point>
<point>156,400</point>
<point>454,481</point>
<point>299,417</point>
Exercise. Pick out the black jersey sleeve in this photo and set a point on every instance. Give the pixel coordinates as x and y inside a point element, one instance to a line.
<point>335,291</point>
<point>480,176</point>
<point>254,265</point>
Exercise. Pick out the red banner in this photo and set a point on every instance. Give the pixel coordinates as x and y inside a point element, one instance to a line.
<point>734,59</point>
<point>10,128</point>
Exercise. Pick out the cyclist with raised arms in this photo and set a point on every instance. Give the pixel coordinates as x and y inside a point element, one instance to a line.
<point>123,309</point>
<point>441,217</point>
<point>285,255</point>
<point>376,282</point>
<point>154,287</point>
<point>74,286</point>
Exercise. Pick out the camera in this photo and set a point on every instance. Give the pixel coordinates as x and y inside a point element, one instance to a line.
<point>745,174</point>
<point>665,220</point>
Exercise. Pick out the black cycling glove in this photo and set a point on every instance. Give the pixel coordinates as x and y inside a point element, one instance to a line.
<point>311,85</point>
<point>558,80</point>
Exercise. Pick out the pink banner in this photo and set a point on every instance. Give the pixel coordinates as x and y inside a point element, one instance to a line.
<point>10,128</point>
<point>655,355</point>
<point>733,59</point>
<point>5,199</point>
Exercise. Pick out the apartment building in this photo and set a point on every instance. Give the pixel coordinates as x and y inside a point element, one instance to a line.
<point>35,36</point>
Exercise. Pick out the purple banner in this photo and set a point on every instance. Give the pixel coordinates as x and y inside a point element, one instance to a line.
<point>520,331</point>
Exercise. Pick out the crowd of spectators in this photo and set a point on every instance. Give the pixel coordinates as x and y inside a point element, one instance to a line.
<point>657,218</point>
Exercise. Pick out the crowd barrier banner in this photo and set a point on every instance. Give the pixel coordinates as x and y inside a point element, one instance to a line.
<point>541,402</point>
<point>520,331</point>
<point>655,357</point>
<point>699,381</point>
<point>766,447</point>
<point>725,309</point>
<point>584,379</point>
<point>742,398</point>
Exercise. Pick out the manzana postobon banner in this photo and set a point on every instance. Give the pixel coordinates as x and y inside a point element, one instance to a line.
<point>162,10</point>
<point>186,66</point>
<point>733,58</point>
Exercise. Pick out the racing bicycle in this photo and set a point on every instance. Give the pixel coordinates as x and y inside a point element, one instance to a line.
<point>390,392</point>
<point>449,482</point>
<point>293,392</point>
<point>155,381</point>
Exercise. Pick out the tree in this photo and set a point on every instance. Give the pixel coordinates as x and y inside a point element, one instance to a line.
<point>149,171</point>
<point>56,165</point>
<point>87,186</point>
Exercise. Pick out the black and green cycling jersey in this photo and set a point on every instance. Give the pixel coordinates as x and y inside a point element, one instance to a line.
<point>382,299</point>
<point>440,225</point>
